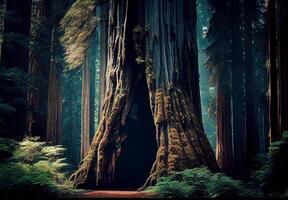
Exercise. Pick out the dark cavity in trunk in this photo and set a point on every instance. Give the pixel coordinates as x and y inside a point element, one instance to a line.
<point>139,150</point>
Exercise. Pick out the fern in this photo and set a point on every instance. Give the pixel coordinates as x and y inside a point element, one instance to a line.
<point>33,167</point>
<point>199,183</point>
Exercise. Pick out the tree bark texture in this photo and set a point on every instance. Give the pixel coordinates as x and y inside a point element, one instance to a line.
<point>103,53</point>
<point>54,128</point>
<point>164,51</point>
<point>224,143</point>
<point>39,66</point>
<point>222,53</point>
<point>85,110</point>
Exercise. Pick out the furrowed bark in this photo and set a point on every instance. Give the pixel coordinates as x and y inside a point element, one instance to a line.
<point>173,81</point>
<point>164,51</point>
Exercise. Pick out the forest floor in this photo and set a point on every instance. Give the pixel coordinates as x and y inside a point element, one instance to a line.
<point>116,194</point>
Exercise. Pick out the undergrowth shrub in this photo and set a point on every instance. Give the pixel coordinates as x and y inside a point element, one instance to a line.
<point>201,183</point>
<point>272,173</point>
<point>33,169</point>
<point>269,179</point>
<point>7,148</point>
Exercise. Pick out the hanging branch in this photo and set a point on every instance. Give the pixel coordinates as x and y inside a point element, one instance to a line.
<point>78,25</point>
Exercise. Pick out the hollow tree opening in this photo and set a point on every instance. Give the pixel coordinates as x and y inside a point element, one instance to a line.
<point>138,150</point>
<point>158,37</point>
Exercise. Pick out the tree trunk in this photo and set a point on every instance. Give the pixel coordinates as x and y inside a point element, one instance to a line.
<point>260,46</point>
<point>164,53</point>
<point>251,122</point>
<point>224,143</point>
<point>39,66</point>
<point>85,108</point>
<point>238,92</point>
<point>283,67</point>
<point>103,54</point>
<point>54,129</point>
<point>278,72</point>
<point>17,25</point>
<point>220,55</point>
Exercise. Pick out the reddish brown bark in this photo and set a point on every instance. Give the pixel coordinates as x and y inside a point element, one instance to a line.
<point>54,129</point>
<point>39,66</point>
<point>167,59</point>
<point>224,143</point>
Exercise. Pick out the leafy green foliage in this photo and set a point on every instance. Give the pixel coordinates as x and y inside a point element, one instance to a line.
<point>7,148</point>
<point>78,24</point>
<point>33,169</point>
<point>272,174</point>
<point>268,180</point>
<point>199,183</point>
<point>14,82</point>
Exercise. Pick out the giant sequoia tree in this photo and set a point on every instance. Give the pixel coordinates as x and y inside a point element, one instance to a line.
<point>152,100</point>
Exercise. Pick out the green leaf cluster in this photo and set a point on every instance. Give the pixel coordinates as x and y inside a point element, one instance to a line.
<point>78,25</point>
<point>33,168</point>
<point>272,174</point>
<point>201,183</point>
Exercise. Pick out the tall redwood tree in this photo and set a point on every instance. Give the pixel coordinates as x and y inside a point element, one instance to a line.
<point>151,72</point>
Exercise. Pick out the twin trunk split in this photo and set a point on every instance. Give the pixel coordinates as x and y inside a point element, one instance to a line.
<point>152,83</point>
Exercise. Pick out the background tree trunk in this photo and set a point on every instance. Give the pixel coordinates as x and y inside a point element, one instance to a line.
<point>103,54</point>
<point>54,128</point>
<point>221,56</point>
<point>238,91</point>
<point>251,122</point>
<point>39,66</point>
<point>85,107</point>
<point>166,55</point>
<point>224,143</point>
<point>278,94</point>
<point>283,67</point>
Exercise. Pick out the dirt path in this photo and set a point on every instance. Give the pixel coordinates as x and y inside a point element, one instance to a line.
<point>115,194</point>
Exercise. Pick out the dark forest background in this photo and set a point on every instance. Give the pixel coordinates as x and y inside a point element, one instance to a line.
<point>65,93</point>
